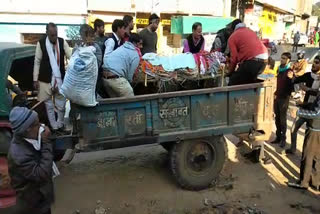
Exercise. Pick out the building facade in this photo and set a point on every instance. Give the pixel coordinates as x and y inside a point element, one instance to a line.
<point>268,17</point>
<point>24,21</point>
<point>303,15</point>
<point>276,19</point>
<point>108,10</point>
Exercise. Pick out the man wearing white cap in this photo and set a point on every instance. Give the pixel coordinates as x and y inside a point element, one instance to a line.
<point>31,165</point>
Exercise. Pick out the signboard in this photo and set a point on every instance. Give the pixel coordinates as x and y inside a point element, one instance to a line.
<point>146,21</point>
<point>288,18</point>
<point>142,21</point>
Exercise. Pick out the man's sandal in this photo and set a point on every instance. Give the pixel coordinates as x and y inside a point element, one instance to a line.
<point>296,186</point>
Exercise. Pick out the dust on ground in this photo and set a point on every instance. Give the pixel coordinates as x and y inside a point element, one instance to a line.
<point>138,181</point>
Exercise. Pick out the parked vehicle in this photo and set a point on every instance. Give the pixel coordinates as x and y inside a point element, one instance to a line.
<point>189,124</point>
<point>304,40</point>
<point>17,61</point>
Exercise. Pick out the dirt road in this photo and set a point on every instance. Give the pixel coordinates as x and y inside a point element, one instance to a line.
<point>138,181</point>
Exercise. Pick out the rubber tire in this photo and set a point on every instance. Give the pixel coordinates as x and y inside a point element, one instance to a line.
<point>190,182</point>
<point>5,139</point>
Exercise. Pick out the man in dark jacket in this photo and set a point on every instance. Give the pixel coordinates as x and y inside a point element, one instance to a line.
<point>296,39</point>
<point>282,97</point>
<point>221,41</point>
<point>100,40</point>
<point>31,166</point>
<point>311,87</point>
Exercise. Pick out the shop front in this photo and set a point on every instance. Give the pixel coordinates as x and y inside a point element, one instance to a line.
<point>266,21</point>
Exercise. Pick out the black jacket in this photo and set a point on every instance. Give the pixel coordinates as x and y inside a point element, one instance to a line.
<point>194,49</point>
<point>223,35</point>
<point>116,44</point>
<point>308,80</point>
<point>284,85</point>
<point>31,174</point>
<point>45,73</point>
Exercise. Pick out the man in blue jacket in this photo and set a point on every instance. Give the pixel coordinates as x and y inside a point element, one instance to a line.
<point>120,66</point>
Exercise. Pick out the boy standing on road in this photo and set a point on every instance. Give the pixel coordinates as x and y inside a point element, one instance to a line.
<point>282,96</point>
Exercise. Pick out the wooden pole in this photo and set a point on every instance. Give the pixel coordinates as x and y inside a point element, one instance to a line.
<point>222,76</point>
<point>36,105</point>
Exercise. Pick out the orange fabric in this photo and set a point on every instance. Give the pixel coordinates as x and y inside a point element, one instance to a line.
<point>299,68</point>
<point>145,65</point>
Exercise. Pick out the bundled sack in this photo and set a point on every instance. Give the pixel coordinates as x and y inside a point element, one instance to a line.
<point>80,81</point>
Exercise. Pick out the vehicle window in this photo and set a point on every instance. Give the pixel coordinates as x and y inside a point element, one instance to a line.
<point>21,71</point>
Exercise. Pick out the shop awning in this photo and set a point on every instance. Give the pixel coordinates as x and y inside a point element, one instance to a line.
<point>183,24</point>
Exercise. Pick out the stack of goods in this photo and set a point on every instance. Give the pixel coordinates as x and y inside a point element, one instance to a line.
<point>80,82</point>
<point>180,67</point>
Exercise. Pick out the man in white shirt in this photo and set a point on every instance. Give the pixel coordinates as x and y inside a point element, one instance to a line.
<point>116,40</point>
<point>48,74</point>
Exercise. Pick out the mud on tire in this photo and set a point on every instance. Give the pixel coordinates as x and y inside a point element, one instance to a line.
<point>196,163</point>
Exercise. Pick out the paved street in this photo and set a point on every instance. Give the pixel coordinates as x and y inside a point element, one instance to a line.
<point>138,180</point>
<point>309,51</point>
